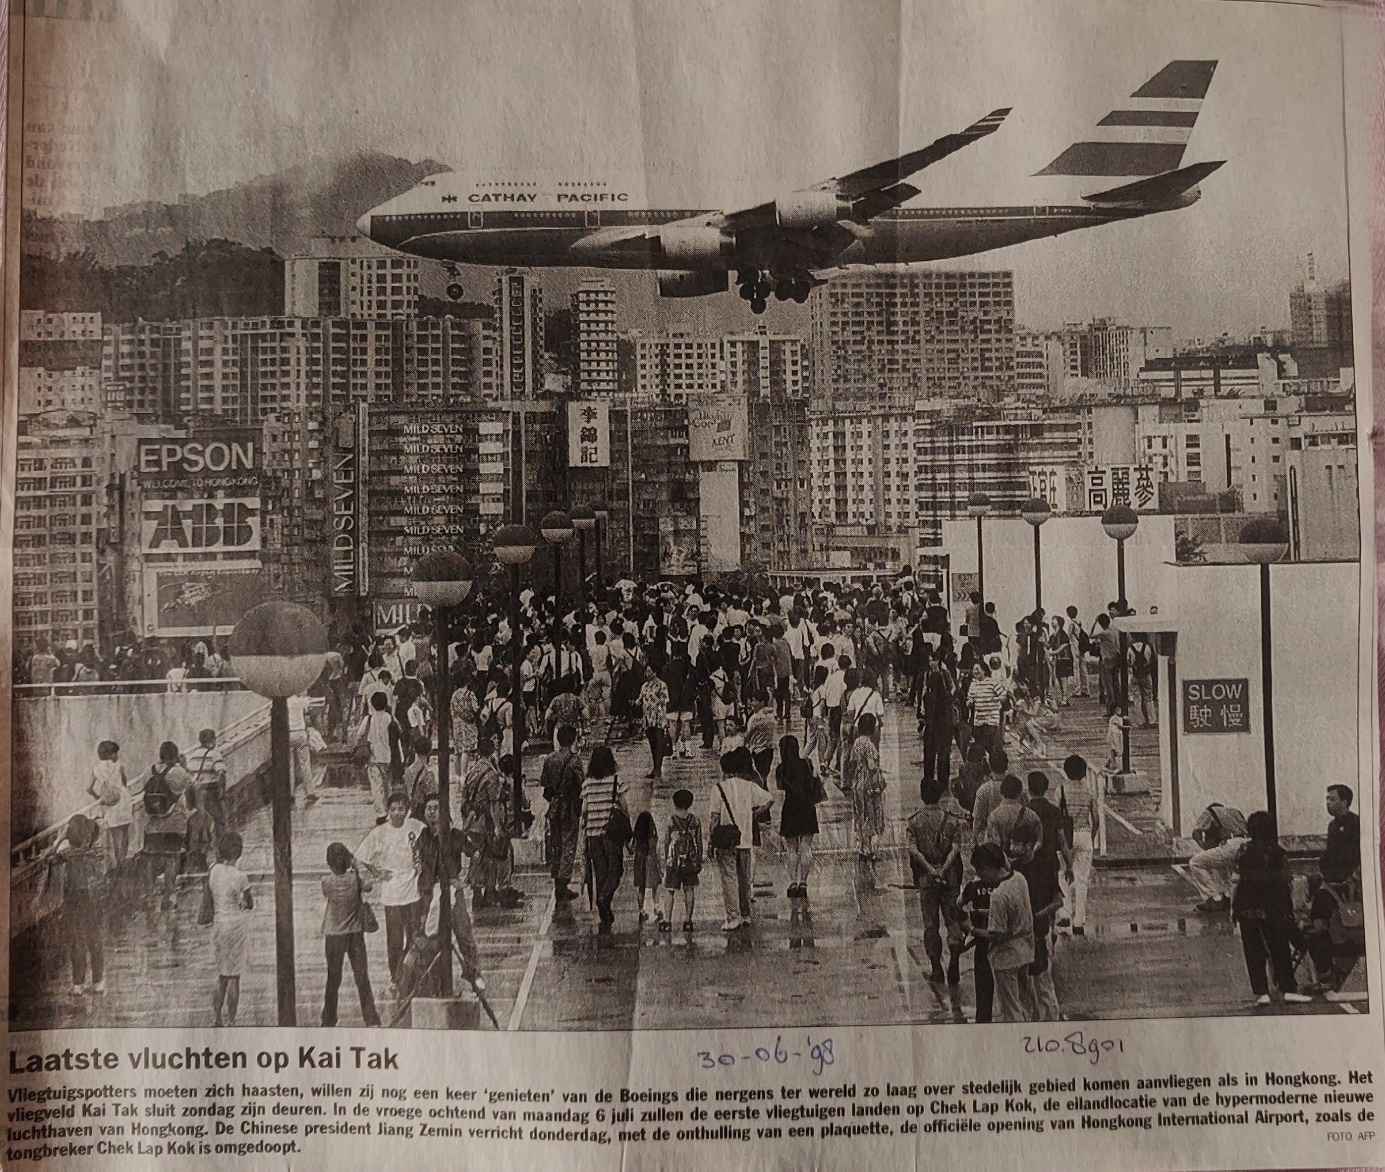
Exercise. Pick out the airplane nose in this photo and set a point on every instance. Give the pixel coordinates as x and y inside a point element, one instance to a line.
<point>363,225</point>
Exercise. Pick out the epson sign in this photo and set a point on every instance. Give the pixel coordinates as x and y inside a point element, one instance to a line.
<point>227,456</point>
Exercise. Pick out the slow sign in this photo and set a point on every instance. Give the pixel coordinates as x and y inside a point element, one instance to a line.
<point>1216,706</point>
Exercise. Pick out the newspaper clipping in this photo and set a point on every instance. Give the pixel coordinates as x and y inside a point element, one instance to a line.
<point>775,585</point>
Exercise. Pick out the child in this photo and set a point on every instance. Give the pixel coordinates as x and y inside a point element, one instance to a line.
<point>201,835</point>
<point>682,859</point>
<point>1115,743</point>
<point>230,887</point>
<point>646,868</point>
<point>85,867</point>
<point>111,788</point>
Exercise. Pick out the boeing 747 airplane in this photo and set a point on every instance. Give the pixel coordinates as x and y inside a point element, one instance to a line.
<point>785,247</point>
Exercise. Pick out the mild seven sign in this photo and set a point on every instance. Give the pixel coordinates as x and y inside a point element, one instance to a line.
<point>1216,706</point>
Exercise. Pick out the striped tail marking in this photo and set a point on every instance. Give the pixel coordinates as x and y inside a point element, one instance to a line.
<point>1148,134</point>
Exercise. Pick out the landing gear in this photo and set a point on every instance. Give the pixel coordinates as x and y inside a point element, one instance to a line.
<point>758,287</point>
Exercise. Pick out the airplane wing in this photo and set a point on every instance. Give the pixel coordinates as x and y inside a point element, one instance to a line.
<point>879,187</point>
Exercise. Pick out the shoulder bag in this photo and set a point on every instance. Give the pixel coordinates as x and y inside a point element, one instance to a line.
<point>618,828</point>
<point>369,921</point>
<point>725,837</point>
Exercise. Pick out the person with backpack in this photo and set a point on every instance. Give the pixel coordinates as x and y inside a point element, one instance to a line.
<point>166,824</point>
<point>605,830</point>
<point>735,801</point>
<point>798,819</point>
<point>1143,664</point>
<point>379,733</point>
<point>683,856</point>
<point>1221,832</point>
<point>1263,907</point>
<point>934,838</point>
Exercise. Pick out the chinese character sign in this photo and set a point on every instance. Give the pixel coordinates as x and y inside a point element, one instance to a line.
<point>1119,484</point>
<point>1216,706</point>
<point>1049,482</point>
<point>588,434</point>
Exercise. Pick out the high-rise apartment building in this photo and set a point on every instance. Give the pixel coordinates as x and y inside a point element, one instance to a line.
<point>59,362</point>
<point>518,334</point>
<point>761,365</point>
<point>350,276</point>
<point>595,339</point>
<point>1111,353</point>
<point>250,368</point>
<point>59,497</point>
<point>671,366</point>
<point>881,338</point>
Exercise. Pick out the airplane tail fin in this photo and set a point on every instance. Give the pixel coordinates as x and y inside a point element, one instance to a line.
<point>1148,134</point>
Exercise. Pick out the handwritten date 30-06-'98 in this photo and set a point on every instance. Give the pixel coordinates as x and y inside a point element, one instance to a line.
<point>818,1053</point>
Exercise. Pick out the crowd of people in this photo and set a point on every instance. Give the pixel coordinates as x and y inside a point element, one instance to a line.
<point>786,692</point>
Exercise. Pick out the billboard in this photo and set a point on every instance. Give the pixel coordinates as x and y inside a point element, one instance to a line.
<point>717,429</point>
<point>182,602</point>
<point>589,434</point>
<point>227,525</point>
<point>349,457</point>
<point>421,488</point>
<point>719,494</point>
<point>1120,484</point>
<point>223,459</point>
<point>677,545</point>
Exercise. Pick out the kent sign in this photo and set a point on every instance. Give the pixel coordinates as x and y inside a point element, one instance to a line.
<point>1216,706</point>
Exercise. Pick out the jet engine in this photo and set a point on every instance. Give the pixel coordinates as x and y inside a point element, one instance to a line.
<point>810,209</point>
<point>699,283</point>
<point>695,244</point>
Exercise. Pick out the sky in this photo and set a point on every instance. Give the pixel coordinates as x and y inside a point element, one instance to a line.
<point>720,103</point>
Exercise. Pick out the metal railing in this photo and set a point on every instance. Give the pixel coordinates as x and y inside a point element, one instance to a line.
<point>128,687</point>
<point>26,858</point>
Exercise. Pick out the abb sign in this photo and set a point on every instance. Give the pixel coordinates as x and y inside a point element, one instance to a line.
<point>201,526</point>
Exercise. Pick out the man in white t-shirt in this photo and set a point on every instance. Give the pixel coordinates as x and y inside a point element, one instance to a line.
<point>833,693</point>
<point>390,853</point>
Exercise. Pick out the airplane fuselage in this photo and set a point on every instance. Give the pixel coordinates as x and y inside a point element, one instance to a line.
<point>602,237</point>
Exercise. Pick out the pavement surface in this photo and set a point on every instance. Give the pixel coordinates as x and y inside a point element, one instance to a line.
<point>852,953</point>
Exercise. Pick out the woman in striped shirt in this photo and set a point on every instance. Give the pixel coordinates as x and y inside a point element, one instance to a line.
<point>600,793</point>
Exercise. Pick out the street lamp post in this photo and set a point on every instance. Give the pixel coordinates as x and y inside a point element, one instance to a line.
<point>557,529</point>
<point>1120,523</point>
<point>278,650</point>
<point>1263,542</point>
<point>1036,512</point>
<point>514,546</point>
<point>978,505</point>
<point>602,514</point>
<point>584,521</point>
<point>442,580</point>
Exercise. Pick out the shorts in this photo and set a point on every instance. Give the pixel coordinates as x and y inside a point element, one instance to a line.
<point>673,880</point>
